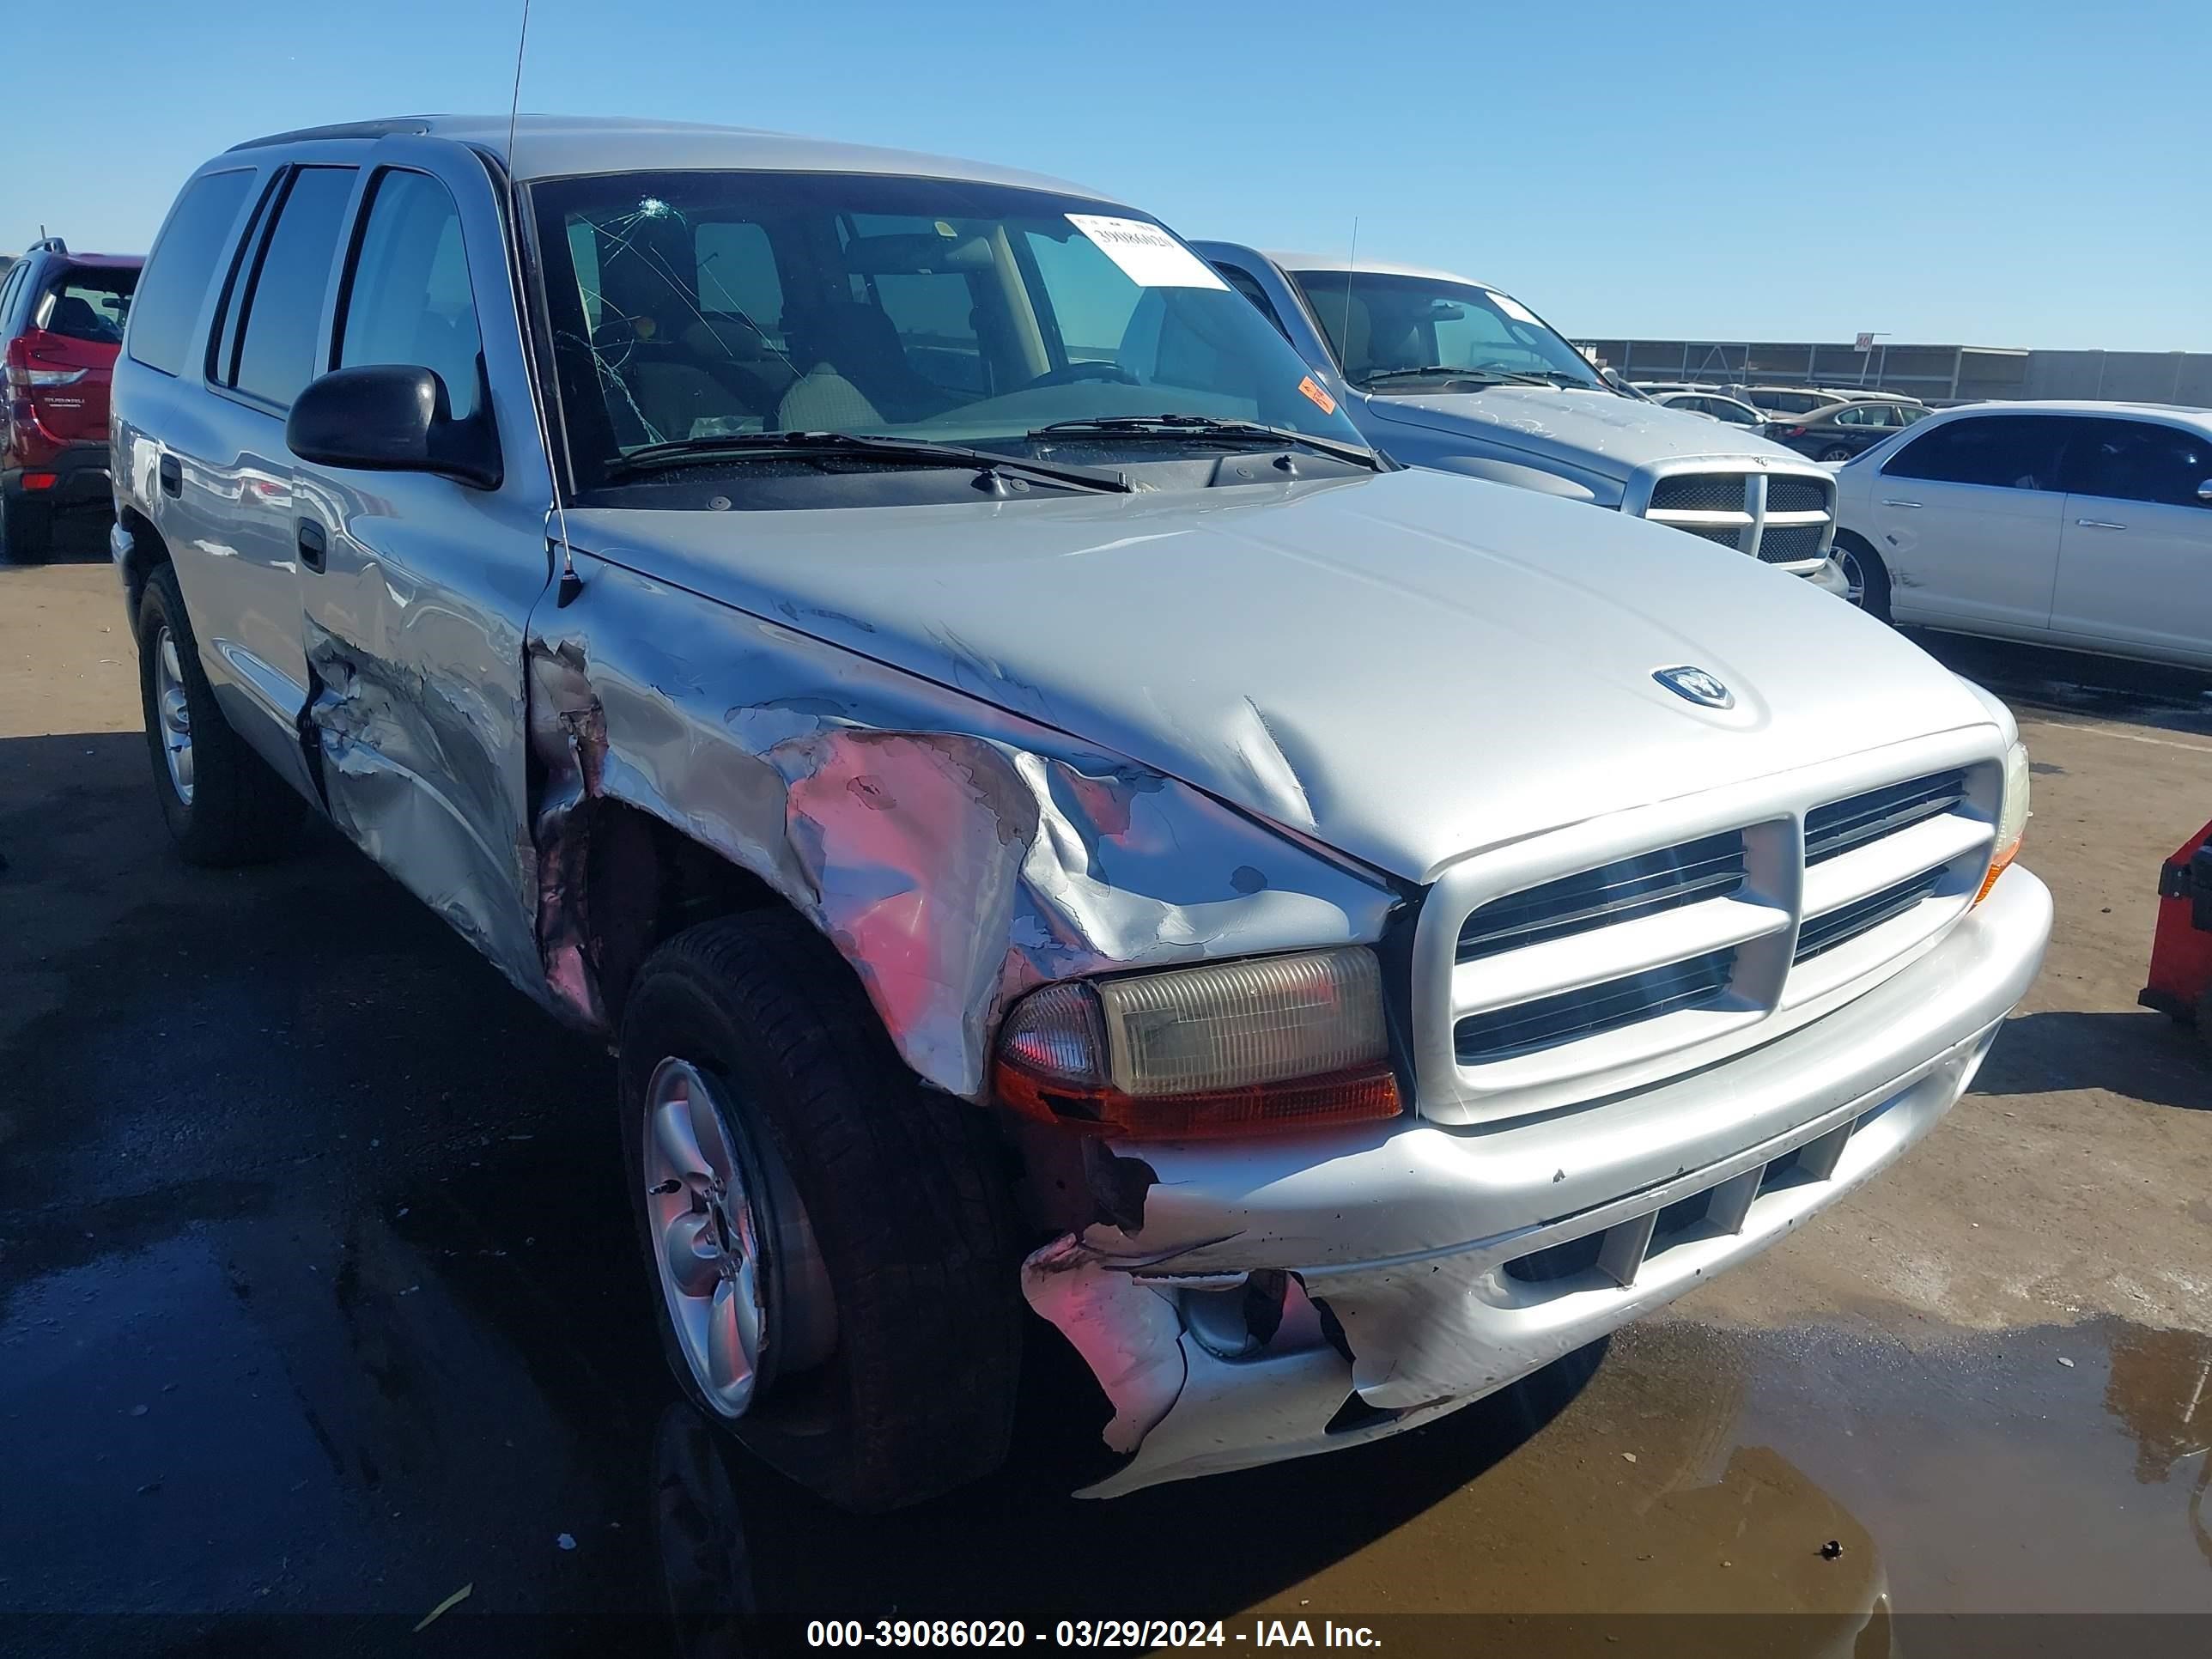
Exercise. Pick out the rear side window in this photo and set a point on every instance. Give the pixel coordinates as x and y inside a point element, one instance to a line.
<point>1248,285</point>
<point>2139,461</point>
<point>409,299</point>
<point>89,304</point>
<point>175,279</point>
<point>275,355</point>
<point>2005,452</point>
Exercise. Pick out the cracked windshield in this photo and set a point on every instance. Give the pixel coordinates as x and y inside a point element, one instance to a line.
<point>706,314</point>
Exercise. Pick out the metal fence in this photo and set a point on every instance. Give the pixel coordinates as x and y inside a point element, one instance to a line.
<point>1933,373</point>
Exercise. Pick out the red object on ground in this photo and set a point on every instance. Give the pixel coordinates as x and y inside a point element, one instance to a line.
<point>2181,953</point>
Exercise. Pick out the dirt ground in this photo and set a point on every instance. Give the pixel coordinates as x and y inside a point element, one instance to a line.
<point>317,1292</point>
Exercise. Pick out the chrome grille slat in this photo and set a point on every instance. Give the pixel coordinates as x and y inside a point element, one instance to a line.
<point>1841,825</point>
<point>1823,934</point>
<point>1611,893</point>
<point>1549,1021</point>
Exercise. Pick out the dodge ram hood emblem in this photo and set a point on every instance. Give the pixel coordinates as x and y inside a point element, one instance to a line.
<point>1697,685</point>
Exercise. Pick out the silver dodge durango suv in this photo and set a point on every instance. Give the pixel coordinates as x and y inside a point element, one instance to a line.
<point>1051,823</point>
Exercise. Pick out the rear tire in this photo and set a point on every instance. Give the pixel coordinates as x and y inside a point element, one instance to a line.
<point>858,1180</point>
<point>26,530</point>
<point>2204,1021</point>
<point>1833,453</point>
<point>1865,576</point>
<point>222,804</point>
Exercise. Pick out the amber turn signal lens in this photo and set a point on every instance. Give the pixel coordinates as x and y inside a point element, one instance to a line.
<point>1996,868</point>
<point>1355,1097</point>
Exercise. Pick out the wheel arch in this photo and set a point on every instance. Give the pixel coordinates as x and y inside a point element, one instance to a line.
<point>137,562</point>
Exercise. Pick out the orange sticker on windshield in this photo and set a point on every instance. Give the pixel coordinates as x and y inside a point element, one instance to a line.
<point>1316,391</point>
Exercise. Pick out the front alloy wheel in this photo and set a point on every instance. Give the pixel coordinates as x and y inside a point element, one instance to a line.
<point>714,1202</point>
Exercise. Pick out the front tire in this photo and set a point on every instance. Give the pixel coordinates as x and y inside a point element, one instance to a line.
<point>222,803</point>
<point>1866,578</point>
<point>832,1243</point>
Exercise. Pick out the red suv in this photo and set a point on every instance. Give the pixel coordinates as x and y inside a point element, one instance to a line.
<point>61,325</point>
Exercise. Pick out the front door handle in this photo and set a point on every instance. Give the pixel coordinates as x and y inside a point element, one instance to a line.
<point>2099,524</point>
<point>313,545</point>
<point>172,476</point>
<point>1914,505</point>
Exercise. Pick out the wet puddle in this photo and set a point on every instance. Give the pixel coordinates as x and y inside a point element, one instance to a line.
<point>317,1408</point>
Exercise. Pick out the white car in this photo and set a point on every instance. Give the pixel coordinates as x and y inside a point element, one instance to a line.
<point>2085,525</point>
<point>1715,405</point>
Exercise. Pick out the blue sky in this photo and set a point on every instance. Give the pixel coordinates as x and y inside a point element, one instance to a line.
<point>2030,173</point>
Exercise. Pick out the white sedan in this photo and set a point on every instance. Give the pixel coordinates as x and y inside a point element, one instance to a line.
<point>2085,525</point>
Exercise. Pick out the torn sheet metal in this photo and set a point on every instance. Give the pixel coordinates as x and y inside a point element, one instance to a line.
<point>956,854</point>
<point>1128,1333</point>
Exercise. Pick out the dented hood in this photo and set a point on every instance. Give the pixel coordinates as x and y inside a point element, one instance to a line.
<point>1408,667</point>
<point>1593,430</point>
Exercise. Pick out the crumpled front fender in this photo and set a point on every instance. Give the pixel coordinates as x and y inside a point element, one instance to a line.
<point>956,855</point>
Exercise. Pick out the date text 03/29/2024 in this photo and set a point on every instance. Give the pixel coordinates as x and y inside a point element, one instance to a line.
<point>1132,1635</point>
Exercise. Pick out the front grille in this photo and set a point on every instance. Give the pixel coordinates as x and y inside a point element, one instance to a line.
<point>1549,1021</point>
<point>1824,932</point>
<point>1556,984</point>
<point>1739,509</point>
<point>1789,543</point>
<point>1698,492</point>
<point>1841,825</point>
<point>1644,885</point>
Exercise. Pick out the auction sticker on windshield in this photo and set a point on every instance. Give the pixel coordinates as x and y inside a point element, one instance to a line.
<point>1148,256</point>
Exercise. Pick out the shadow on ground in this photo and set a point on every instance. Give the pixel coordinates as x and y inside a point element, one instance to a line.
<point>2142,1056</point>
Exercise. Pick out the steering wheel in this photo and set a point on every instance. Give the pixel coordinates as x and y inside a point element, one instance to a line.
<point>1069,373</point>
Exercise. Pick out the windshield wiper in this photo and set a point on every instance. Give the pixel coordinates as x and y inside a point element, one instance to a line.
<point>1185,427</point>
<point>1439,371</point>
<point>912,452</point>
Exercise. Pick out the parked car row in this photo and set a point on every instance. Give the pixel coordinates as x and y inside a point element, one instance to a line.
<point>1053,817</point>
<point>1443,371</point>
<point>1827,423</point>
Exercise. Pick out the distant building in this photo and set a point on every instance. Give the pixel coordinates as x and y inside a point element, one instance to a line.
<point>1933,373</point>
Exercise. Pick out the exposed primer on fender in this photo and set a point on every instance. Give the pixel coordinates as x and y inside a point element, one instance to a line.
<point>956,855</point>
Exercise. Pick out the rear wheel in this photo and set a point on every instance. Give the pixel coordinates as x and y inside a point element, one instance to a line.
<point>1833,453</point>
<point>832,1243</point>
<point>1866,578</point>
<point>2204,1021</point>
<point>222,804</point>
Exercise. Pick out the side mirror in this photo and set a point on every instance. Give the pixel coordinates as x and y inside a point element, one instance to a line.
<point>391,417</point>
<point>2204,492</point>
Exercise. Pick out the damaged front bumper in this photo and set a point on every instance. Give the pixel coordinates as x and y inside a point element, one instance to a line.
<point>1284,1297</point>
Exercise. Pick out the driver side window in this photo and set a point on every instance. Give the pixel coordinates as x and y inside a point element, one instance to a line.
<point>408,297</point>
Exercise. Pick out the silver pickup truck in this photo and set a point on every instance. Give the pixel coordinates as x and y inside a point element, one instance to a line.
<point>1446,373</point>
<point>1051,823</point>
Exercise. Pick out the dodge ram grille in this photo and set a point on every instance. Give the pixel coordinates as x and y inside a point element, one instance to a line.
<point>1779,521</point>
